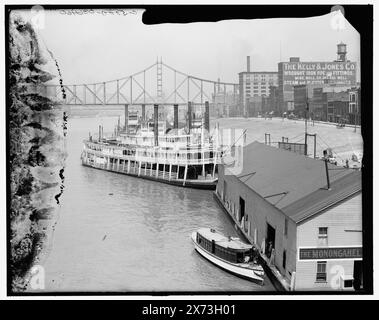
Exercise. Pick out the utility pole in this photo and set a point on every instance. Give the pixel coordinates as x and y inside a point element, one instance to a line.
<point>305,123</point>
<point>355,118</point>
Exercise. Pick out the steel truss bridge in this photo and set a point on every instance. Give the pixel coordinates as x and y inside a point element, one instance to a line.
<point>158,84</point>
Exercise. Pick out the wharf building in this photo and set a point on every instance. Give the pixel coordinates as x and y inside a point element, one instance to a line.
<point>335,74</point>
<point>303,214</point>
<point>254,87</point>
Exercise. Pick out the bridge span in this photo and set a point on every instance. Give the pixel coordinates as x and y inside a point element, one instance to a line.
<point>158,84</point>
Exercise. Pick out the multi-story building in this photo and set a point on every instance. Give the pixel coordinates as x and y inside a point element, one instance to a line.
<point>334,104</point>
<point>225,104</point>
<point>300,97</point>
<point>272,102</point>
<point>354,112</point>
<point>338,106</point>
<point>253,85</point>
<point>340,72</point>
<point>318,105</point>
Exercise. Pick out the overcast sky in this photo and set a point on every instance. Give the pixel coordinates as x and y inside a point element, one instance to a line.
<point>95,48</point>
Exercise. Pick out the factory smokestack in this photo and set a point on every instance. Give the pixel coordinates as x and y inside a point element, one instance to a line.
<point>248,63</point>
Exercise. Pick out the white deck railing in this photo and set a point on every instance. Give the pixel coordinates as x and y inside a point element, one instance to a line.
<point>180,157</point>
<point>141,171</point>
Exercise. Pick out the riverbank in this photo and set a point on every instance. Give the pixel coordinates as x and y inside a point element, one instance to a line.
<point>36,157</point>
<point>344,142</point>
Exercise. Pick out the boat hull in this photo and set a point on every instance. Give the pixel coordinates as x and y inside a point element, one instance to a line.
<point>195,184</point>
<point>229,267</point>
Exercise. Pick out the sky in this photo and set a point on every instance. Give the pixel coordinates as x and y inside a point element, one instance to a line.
<point>95,48</point>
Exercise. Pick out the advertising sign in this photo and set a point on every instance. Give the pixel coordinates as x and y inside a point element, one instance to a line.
<point>319,73</point>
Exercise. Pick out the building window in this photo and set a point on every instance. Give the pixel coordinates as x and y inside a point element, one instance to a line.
<point>285,226</point>
<point>323,236</point>
<point>321,271</point>
<point>284,259</point>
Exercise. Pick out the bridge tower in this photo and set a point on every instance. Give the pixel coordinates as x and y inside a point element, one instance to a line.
<point>159,80</point>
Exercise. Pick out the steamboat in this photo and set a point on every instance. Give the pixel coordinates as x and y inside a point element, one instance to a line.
<point>152,149</point>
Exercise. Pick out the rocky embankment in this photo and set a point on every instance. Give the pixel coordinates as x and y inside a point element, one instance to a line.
<point>36,155</point>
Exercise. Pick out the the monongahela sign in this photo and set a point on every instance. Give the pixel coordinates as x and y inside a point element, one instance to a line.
<point>330,253</point>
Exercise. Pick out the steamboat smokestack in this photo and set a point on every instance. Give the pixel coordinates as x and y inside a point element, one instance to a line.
<point>189,116</point>
<point>143,112</point>
<point>126,118</point>
<point>156,125</point>
<point>206,116</point>
<point>176,116</point>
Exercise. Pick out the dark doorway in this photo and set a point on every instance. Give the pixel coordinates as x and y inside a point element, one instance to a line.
<point>191,172</point>
<point>242,208</point>
<point>358,275</point>
<point>270,243</point>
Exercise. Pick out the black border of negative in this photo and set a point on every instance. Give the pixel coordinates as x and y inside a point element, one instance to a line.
<point>360,16</point>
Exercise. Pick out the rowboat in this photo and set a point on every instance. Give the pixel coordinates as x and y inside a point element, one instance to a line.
<point>228,253</point>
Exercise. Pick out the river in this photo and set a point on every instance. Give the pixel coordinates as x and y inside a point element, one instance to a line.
<point>123,234</point>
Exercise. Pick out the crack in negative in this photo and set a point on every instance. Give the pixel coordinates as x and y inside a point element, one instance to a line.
<point>57,196</point>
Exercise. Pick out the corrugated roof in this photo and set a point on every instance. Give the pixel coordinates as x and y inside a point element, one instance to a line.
<point>294,183</point>
<point>322,199</point>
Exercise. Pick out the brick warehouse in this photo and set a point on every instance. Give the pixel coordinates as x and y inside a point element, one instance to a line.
<point>281,197</point>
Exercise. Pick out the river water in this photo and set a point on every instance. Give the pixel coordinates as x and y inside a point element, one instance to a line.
<point>124,234</point>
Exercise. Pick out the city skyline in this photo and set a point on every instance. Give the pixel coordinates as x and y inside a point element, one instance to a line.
<point>210,50</point>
